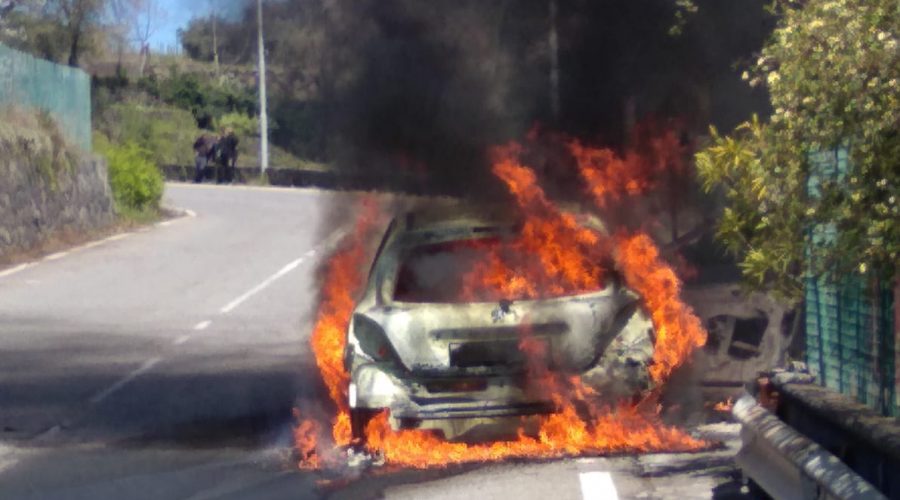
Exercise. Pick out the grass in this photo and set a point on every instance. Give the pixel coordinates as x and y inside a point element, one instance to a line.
<point>35,136</point>
<point>133,218</point>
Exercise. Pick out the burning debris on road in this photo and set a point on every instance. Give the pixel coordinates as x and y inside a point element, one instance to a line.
<point>555,252</point>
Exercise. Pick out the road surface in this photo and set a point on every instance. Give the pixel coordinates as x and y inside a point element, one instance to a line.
<point>165,363</point>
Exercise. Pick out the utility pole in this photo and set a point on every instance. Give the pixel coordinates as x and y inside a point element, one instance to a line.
<point>215,47</point>
<point>263,115</point>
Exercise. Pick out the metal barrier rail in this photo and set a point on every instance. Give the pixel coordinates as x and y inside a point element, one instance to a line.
<point>788,465</point>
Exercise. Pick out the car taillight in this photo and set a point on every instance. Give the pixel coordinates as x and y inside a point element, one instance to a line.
<point>372,339</point>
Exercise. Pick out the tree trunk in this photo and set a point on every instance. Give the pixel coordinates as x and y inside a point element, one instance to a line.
<point>73,47</point>
<point>145,54</point>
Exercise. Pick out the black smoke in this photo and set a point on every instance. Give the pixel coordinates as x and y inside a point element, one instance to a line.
<point>409,87</point>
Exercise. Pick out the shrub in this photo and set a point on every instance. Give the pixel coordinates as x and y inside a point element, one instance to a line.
<point>242,124</point>
<point>166,133</point>
<point>135,181</point>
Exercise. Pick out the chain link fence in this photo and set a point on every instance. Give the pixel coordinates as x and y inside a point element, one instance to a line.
<point>850,340</point>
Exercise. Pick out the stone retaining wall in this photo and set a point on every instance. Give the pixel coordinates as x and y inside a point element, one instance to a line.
<point>35,204</point>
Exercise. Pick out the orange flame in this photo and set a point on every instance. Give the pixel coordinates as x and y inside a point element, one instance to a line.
<point>553,255</point>
<point>678,331</point>
<point>724,406</point>
<point>611,177</point>
<point>344,280</point>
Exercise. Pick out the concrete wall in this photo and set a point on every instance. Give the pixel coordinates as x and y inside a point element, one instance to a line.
<point>33,205</point>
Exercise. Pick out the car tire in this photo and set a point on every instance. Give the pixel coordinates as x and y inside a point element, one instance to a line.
<point>359,419</point>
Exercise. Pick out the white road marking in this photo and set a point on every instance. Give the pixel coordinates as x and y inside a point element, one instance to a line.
<point>14,270</point>
<point>203,325</point>
<point>89,245</point>
<point>117,237</point>
<point>8,457</point>
<point>597,486</point>
<point>182,339</point>
<point>109,391</point>
<point>56,256</point>
<point>310,253</point>
<point>328,243</point>
<point>262,286</point>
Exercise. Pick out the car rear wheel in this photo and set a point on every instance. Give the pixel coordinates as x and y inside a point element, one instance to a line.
<point>359,419</point>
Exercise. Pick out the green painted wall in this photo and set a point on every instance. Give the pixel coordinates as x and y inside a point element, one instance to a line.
<point>62,91</point>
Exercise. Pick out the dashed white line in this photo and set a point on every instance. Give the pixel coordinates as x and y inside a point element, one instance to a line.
<point>109,391</point>
<point>328,243</point>
<point>190,213</point>
<point>597,486</point>
<point>182,339</point>
<point>262,286</point>
<point>203,325</point>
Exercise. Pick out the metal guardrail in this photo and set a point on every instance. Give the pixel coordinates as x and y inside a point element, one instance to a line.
<point>788,465</point>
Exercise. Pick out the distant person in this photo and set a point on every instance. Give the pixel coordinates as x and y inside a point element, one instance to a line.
<point>204,152</point>
<point>227,156</point>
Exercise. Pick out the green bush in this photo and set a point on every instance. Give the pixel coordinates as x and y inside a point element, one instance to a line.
<point>206,100</point>
<point>136,183</point>
<point>242,124</point>
<point>166,133</point>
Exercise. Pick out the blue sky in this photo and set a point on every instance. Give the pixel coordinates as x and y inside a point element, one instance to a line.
<point>178,13</point>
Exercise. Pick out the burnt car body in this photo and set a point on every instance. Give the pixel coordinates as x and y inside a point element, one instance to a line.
<point>439,363</point>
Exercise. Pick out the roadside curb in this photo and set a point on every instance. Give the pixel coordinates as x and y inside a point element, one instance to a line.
<point>176,214</point>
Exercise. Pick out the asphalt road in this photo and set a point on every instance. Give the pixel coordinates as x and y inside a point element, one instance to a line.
<point>165,364</point>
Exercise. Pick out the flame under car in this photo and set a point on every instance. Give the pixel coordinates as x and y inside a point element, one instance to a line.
<point>437,357</point>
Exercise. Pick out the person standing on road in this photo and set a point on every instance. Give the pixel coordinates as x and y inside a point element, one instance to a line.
<point>227,156</point>
<point>204,151</point>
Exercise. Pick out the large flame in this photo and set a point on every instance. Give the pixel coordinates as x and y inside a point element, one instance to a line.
<point>553,255</point>
<point>343,283</point>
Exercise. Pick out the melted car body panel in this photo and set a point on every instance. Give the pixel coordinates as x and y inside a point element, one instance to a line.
<point>455,366</point>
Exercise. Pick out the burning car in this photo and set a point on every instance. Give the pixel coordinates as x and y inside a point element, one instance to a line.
<point>441,354</point>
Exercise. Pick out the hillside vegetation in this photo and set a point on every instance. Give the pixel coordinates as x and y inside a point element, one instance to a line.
<point>166,110</point>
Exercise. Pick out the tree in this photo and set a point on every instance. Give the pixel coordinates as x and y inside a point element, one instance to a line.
<point>11,12</point>
<point>77,19</point>
<point>148,15</point>
<point>120,13</point>
<point>831,69</point>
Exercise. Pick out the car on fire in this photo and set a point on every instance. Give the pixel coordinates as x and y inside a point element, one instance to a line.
<point>436,362</point>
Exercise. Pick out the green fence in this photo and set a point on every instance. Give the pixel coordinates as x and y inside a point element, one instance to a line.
<point>62,91</point>
<point>849,324</point>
